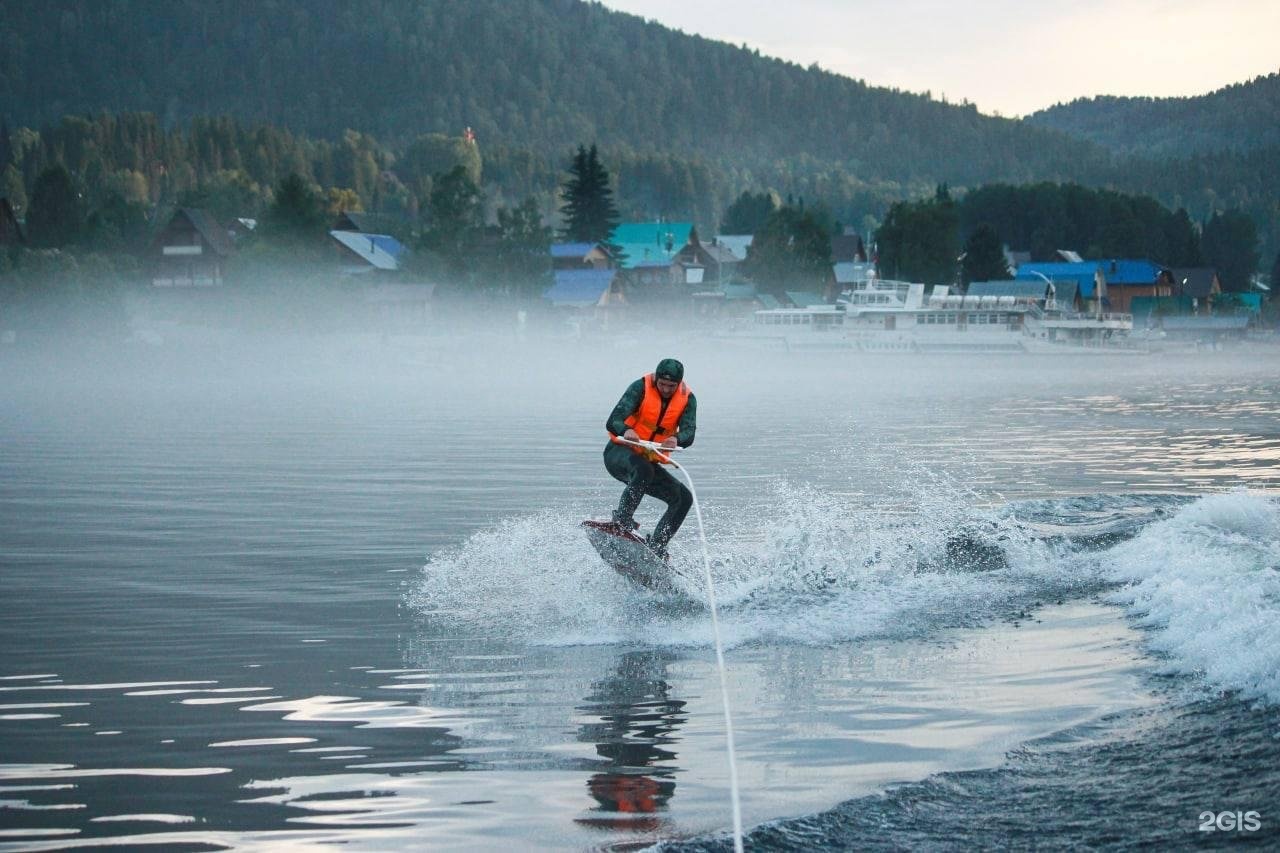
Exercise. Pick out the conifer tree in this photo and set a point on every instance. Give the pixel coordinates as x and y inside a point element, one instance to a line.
<point>1230,245</point>
<point>590,215</point>
<point>749,212</point>
<point>56,217</point>
<point>984,257</point>
<point>919,241</point>
<point>297,211</point>
<point>6,146</point>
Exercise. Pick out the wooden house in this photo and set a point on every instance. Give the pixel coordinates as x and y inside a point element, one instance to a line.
<point>1199,284</point>
<point>190,251</point>
<point>1128,279</point>
<point>707,264</point>
<point>359,253</point>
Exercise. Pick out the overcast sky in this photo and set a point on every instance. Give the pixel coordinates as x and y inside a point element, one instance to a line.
<point>1010,57</point>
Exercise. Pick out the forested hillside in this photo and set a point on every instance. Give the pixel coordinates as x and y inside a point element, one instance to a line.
<point>543,74</point>
<point>1241,117</point>
<point>344,93</point>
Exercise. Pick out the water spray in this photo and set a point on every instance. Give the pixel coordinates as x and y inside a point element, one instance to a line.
<point>664,455</point>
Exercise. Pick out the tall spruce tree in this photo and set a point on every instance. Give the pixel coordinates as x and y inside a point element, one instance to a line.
<point>56,216</point>
<point>590,215</point>
<point>984,257</point>
<point>919,241</point>
<point>6,146</point>
<point>749,212</point>
<point>296,213</point>
<point>1230,245</point>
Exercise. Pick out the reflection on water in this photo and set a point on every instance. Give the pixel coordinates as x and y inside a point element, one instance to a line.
<point>635,735</point>
<point>209,636</point>
<point>467,765</point>
<point>503,761</point>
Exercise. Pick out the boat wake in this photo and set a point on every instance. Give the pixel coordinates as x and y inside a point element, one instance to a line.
<point>1205,582</point>
<point>1201,576</point>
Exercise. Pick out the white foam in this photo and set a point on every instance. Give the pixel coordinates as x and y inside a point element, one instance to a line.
<point>822,568</point>
<point>1207,584</point>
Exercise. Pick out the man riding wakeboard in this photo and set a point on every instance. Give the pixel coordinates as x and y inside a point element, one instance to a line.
<point>658,407</point>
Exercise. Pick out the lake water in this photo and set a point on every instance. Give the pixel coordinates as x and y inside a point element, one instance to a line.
<point>334,592</point>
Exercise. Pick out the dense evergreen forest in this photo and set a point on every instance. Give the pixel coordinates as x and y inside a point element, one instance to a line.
<point>215,103</point>
<point>1240,117</point>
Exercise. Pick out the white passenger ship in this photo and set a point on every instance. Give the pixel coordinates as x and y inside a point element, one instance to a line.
<point>894,316</point>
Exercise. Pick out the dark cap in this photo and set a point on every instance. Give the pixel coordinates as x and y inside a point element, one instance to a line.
<point>669,368</point>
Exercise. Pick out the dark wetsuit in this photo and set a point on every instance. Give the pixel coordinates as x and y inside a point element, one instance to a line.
<point>648,478</point>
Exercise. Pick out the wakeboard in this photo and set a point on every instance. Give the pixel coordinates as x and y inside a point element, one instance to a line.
<point>629,555</point>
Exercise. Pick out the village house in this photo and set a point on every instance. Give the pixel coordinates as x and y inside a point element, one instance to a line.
<point>647,261</point>
<point>593,295</point>
<point>1198,284</point>
<point>395,306</point>
<point>1193,294</point>
<point>579,256</point>
<point>361,254</point>
<point>1128,279</point>
<point>710,273</point>
<point>361,249</point>
<point>190,251</point>
<point>718,264</point>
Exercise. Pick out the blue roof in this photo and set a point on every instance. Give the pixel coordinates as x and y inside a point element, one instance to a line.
<point>1081,273</point>
<point>1066,269</point>
<point>1119,271</point>
<point>388,244</point>
<point>571,250</point>
<point>579,288</point>
<point>379,251</point>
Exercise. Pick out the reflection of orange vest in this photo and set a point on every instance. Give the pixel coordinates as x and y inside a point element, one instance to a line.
<point>633,794</point>
<point>656,419</point>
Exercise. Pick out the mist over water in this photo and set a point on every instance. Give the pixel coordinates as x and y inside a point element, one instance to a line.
<point>331,588</point>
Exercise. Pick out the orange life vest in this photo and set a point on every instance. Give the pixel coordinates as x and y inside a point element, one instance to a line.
<point>656,419</point>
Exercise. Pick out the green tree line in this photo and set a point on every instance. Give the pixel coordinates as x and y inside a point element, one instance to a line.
<point>686,123</point>
<point>942,241</point>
